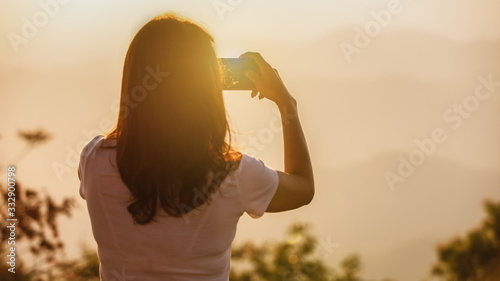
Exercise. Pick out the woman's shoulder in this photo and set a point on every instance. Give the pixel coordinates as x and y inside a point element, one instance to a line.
<point>99,141</point>
<point>251,166</point>
<point>92,144</point>
<point>249,160</point>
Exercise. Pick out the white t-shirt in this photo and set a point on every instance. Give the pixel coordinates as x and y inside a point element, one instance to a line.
<point>196,246</point>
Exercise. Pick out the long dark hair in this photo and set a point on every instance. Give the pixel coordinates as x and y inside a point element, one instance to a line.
<point>172,131</point>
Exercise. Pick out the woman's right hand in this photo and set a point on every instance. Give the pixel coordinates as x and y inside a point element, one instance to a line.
<point>268,83</point>
<point>296,184</point>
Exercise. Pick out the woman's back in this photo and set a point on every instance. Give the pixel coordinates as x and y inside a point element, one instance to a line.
<point>195,246</point>
<point>165,188</point>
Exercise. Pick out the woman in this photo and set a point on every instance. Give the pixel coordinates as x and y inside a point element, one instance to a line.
<point>165,188</point>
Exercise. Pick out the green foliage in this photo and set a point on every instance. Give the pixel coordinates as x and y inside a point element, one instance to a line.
<point>297,258</point>
<point>475,256</point>
<point>293,259</point>
<point>351,266</point>
<point>22,274</point>
<point>36,226</point>
<point>36,221</point>
<point>86,268</point>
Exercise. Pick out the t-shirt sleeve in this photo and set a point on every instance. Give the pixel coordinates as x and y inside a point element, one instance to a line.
<point>86,150</point>
<point>257,184</point>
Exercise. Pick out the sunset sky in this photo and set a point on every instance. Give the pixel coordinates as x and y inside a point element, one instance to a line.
<point>363,114</point>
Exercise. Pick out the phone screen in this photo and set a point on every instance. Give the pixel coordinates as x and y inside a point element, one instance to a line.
<point>233,77</point>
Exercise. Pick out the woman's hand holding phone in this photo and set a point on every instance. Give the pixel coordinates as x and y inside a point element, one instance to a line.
<point>268,83</point>
<point>296,183</point>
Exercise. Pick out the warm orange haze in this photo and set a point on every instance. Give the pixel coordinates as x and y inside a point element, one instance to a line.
<point>399,102</point>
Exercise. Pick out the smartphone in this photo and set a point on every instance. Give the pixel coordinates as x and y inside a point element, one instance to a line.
<point>233,76</point>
